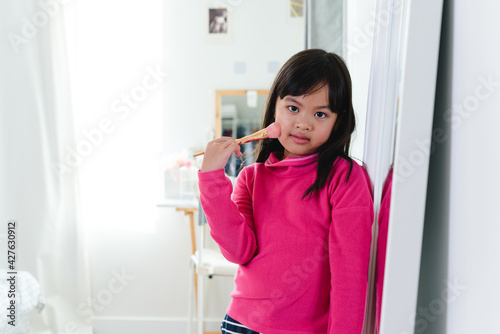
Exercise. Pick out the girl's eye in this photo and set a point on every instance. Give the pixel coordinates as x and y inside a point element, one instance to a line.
<point>293,108</point>
<point>320,114</point>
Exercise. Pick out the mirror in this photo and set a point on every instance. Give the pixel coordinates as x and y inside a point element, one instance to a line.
<point>403,82</point>
<point>383,104</point>
<point>238,113</point>
<point>138,99</point>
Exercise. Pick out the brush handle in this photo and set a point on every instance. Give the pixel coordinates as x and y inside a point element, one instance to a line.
<point>261,134</point>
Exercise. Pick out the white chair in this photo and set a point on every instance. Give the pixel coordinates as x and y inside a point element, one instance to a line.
<point>204,262</point>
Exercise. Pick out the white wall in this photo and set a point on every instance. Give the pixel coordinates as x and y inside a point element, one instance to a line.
<point>458,290</point>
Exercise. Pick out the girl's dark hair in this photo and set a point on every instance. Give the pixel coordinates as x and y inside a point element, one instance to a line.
<point>304,73</point>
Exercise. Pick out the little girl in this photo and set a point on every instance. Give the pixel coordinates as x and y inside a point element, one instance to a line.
<point>298,221</point>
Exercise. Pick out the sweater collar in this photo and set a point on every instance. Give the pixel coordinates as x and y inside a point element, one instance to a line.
<point>291,166</point>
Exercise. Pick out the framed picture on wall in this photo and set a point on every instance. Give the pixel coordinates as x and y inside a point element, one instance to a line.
<point>296,8</point>
<point>295,12</point>
<point>219,25</point>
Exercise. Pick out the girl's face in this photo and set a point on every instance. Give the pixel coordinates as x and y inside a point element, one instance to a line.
<point>306,122</point>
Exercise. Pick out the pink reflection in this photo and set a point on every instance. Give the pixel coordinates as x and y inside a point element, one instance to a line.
<point>383,226</point>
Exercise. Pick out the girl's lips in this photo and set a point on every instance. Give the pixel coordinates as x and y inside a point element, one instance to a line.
<point>299,139</point>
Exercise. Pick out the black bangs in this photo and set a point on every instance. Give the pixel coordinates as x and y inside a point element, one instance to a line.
<point>304,74</point>
<point>301,75</point>
<point>300,82</point>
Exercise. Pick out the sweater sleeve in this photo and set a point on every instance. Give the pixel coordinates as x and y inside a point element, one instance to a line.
<point>349,250</point>
<point>230,219</point>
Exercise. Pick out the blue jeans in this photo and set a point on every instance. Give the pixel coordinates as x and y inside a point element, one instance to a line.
<point>229,325</point>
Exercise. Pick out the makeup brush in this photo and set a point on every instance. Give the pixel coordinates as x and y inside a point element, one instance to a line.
<point>272,131</point>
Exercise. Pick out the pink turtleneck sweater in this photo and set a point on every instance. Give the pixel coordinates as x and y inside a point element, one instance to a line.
<point>303,262</point>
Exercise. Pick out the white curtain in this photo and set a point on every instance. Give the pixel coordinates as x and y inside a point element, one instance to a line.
<point>36,125</point>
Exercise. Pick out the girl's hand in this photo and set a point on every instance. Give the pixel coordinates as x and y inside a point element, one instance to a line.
<point>218,152</point>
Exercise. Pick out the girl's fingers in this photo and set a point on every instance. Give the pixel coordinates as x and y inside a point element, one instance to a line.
<point>218,152</point>
<point>224,145</point>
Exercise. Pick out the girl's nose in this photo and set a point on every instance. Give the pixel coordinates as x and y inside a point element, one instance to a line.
<point>303,124</point>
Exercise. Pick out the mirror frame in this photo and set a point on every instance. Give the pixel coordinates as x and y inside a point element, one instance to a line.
<point>414,127</point>
<point>382,105</point>
<point>229,92</point>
